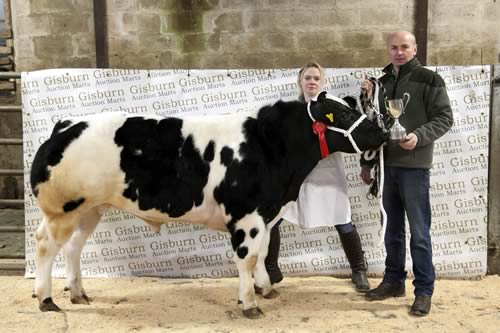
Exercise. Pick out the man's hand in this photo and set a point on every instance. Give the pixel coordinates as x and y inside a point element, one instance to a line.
<point>366,175</point>
<point>409,142</point>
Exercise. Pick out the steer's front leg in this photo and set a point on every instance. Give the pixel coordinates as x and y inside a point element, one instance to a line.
<point>247,292</point>
<point>246,238</point>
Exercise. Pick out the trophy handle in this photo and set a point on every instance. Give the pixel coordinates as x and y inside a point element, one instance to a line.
<point>407,95</point>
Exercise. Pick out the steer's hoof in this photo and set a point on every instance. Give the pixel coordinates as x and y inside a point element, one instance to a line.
<point>48,305</point>
<point>84,299</point>
<point>272,294</point>
<point>253,313</point>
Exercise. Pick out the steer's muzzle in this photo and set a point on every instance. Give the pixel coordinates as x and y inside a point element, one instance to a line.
<point>369,136</point>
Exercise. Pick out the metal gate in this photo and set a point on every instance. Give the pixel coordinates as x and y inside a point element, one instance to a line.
<point>11,209</point>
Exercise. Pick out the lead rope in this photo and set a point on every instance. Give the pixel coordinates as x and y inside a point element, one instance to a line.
<point>380,122</point>
<point>381,198</point>
<point>375,112</point>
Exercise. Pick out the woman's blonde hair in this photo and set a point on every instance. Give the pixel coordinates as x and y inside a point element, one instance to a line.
<point>311,64</point>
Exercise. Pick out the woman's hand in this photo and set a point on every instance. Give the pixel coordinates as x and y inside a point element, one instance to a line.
<point>367,87</point>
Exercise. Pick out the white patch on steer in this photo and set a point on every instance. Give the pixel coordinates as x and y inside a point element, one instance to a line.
<point>90,167</point>
<point>224,131</point>
<point>247,223</point>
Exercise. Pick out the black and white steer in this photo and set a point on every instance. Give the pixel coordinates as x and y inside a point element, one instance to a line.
<point>234,173</point>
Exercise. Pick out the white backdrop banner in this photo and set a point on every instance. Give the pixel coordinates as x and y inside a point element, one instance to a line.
<point>123,245</point>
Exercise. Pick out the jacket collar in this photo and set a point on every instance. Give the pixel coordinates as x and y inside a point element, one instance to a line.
<point>406,68</point>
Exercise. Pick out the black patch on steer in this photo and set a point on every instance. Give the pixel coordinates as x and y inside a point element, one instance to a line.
<point>237,238</point>
<point>209,153</point>
<point>163,169</point>
<point>226,156</point>
<point>51,151</point>
<point>242,252</point>
<point>72,205</point>
<point>60,125</point>
<point>277,154</point>
<point>254,232</point>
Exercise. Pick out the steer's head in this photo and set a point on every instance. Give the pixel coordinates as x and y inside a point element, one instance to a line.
<point>343,121</point>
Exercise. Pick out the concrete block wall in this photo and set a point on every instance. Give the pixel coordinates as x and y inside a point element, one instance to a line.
<point>248,33</point>
<point>463,31</point>
<point>53,34</point>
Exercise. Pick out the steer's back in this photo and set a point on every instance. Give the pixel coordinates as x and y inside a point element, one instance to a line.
<point>153,167</point>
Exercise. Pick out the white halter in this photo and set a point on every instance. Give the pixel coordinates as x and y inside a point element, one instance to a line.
<point>347,133</point>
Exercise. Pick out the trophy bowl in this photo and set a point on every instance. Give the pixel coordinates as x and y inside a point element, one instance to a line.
<point>396,108</point>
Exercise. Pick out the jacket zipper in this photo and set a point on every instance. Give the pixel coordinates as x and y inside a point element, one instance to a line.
<point>395,86</point>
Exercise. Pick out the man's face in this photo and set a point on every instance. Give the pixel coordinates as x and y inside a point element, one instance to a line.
<point>402,49</point>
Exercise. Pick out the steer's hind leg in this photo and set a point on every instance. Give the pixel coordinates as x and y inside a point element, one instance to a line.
<point>72,252</point>
<point>50,236</point>
<point>246,238</point>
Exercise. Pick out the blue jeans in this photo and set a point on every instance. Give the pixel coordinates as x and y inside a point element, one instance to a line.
<point>407,190</point>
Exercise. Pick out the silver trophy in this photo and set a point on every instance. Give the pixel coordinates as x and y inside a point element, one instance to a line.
<point>396,108</point>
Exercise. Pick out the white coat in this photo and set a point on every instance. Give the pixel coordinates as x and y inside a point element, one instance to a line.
<point>323,198</point>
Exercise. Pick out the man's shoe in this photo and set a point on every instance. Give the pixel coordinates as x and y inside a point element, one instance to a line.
<point>421,306</point>
<point>386,290</point>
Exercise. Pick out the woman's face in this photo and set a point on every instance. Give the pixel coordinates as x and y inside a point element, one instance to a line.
<point>311,82</point>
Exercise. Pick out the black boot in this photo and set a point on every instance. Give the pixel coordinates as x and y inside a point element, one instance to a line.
<point>271,262</point>
<point>352,248</point>
<point>421,306</point>
<point>385,290</point>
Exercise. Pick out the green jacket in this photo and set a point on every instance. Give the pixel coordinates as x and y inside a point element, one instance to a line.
<point>428,113</point>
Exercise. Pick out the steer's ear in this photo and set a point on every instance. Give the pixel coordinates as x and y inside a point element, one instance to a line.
<point>351,101</point>
<point>322,96</point>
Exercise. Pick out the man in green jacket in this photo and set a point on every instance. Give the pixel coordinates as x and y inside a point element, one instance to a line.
<point>426,118</point>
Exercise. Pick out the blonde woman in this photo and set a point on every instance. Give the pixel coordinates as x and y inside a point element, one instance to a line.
<point>323,199</point>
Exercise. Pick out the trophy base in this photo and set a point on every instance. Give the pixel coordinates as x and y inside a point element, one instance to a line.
<point>396,141</point>
<point>397,135</point>
<point>397,132</point>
